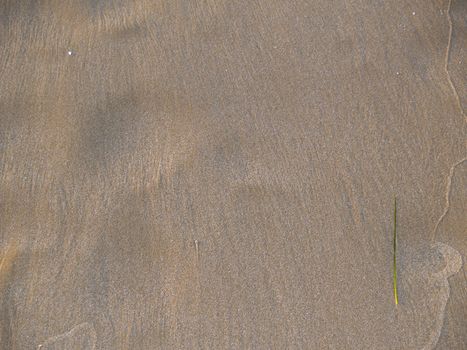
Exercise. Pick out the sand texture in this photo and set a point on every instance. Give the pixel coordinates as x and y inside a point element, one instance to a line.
<point>220,174</point>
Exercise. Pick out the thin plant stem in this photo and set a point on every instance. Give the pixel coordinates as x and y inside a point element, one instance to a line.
<point>396,299</point>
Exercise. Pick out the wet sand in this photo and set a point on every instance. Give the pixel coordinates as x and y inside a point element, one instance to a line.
<point>221,174</point>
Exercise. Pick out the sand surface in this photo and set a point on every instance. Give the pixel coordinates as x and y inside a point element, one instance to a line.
<point>219,174</point>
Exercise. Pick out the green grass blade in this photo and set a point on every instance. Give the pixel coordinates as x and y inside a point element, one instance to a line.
<point>396,299</point>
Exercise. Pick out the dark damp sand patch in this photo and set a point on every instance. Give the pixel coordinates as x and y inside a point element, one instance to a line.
<point>7,259</point>
<point>455,65</point>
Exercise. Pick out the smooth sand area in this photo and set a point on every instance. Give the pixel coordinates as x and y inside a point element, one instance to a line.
<point>219,174</point>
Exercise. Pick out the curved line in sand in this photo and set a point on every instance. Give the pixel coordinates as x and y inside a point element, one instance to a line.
<point>453,261</point>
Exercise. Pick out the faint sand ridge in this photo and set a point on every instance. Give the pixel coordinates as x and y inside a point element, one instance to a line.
<point>82,336</point>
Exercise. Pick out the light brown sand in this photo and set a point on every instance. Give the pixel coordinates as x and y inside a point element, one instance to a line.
<point>220,174</point>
